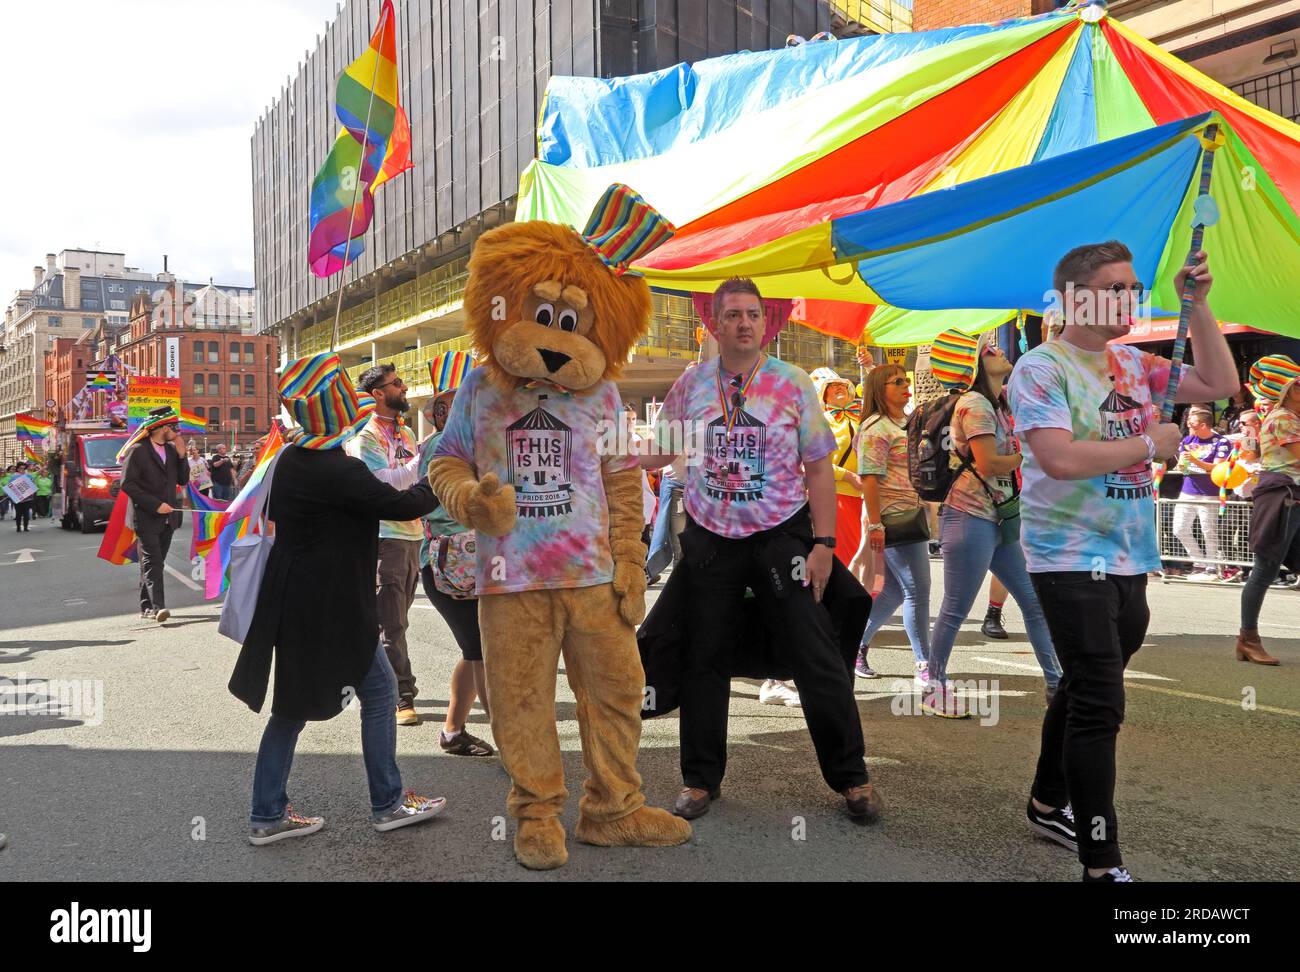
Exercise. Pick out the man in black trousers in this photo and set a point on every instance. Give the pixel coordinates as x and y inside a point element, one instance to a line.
<point>154,470</point>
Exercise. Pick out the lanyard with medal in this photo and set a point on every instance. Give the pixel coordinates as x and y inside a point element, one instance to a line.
<point>731,407</point>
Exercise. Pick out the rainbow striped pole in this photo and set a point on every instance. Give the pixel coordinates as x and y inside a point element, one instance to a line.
<point>1205,215</point>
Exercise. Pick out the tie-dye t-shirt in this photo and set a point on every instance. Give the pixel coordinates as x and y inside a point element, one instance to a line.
<point>974,416</point>
<point>882,451</point>
<point>1105,523</point>
<point>551,446</point>
<point>751,478</point>
<point>1281,428</point>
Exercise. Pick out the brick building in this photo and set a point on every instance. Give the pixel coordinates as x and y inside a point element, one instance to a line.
<point>227,376</point>
<point>66,363</point>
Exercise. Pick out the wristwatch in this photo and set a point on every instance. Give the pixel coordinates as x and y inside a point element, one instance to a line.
<point>828,542</point>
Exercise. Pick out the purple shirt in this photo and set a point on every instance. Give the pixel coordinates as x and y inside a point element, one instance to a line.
<point>1216,448</point>
<point>161,451</point>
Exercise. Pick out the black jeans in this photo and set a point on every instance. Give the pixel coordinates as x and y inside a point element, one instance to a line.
<point>153,547</point>
<point>1097,624</point>
<point>717,610</point>
<point>23,514</point>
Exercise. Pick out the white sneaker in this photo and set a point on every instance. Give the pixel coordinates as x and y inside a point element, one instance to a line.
<point>773,692</point>
<point>922,677</point>
<point>1203,577</point>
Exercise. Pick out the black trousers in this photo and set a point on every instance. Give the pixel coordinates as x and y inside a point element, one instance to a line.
<point>153,547</point>
<point>1097,624</point>
<point>717,609</point>
<point>23,513</point>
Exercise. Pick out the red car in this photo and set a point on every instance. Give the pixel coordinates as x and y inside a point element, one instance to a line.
<point>92,478</point>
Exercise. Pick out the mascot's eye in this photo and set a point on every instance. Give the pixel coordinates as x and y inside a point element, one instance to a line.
<point>568,320</point>
<point>544,314</point>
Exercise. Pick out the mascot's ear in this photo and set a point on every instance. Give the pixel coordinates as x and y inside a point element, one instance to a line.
<point>624,227</point>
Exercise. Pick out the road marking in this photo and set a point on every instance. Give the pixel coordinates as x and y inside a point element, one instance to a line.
<point>1235,703</point>
<point>1035,668</point>
<point>25,555</point>
<point>183,578</point>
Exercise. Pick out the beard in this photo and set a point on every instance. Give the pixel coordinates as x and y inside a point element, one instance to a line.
<point>401,405</point>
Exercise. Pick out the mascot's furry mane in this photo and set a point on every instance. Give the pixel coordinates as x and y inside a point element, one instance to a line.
<point>508,261</point>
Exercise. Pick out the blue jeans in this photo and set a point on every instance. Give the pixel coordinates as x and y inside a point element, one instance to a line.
<point>377,694</point>
<point>907,582</point>
<point>972,546</point>
<point>661,543</point>
<point>1266,569</point>
<point>223,492</point>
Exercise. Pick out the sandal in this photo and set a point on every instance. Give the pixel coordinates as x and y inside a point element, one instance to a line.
<point>465,745</point>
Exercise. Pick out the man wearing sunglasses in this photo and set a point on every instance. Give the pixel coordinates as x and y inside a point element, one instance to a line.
<point>389,448</point>
<point>1088,412</point>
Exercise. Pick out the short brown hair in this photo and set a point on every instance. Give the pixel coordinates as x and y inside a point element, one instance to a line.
<point>733,285</point>
<point>1082,262</point>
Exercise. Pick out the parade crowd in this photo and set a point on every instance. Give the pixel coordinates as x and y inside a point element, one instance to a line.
<point>1041,475</point>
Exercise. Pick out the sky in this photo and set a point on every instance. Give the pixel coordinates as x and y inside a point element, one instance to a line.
<point>129,125</point>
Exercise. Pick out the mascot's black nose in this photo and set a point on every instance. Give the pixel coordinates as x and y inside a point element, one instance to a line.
<point>554,360</point>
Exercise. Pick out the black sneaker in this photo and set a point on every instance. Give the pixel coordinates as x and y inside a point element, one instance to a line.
<point>936,552</point>
<point>1058,825</point>
<point>146,614</point>
<point>992,626</point>
<point>1116,875</point>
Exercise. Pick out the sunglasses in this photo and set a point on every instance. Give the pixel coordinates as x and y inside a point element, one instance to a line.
<point>394,382</point>
<point>1118,290</point>
<point>898,382</point>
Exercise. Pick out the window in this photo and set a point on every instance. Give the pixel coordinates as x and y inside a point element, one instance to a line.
<point>199,411</point>
<point>87,322</point>
<point>55,321</point>
<point>214,385</point>
<point>234,352</point>
<point>234,385</point>
<point>198,384</point>
<point>117,304</point>
<point>248,354</point>
<point>234,418</point>
<point>214,418</point>
<point>198,352</point>
<point>250,420</point>
<point>250,387</point>
<point>214,352</point>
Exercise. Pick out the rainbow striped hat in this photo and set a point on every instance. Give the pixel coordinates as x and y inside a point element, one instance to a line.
<point>1272,376</point>
<point>624,227</point>
<point>163,415</point>
<point>954,358</point>
<point>319,395</point>
<point>448,370</point>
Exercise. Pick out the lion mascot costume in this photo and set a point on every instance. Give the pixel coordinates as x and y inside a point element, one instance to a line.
<point>526,461</point>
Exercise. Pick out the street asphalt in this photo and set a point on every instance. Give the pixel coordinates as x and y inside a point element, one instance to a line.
<point>153,782</point>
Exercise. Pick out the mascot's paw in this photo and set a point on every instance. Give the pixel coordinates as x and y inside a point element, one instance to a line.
<point>647,827</point>
<point>629,585</point>
<point>539,844</point>
<point>491,507</point>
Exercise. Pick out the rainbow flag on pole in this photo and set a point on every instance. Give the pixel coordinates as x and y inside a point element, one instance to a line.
<point>30,428</point>
<point>367,89</point>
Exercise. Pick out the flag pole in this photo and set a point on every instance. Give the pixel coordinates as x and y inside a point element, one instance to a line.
<point>356,187</point>
<point>1208,146</point>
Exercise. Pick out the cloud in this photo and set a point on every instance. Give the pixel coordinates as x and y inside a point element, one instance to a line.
<point>129,126</point>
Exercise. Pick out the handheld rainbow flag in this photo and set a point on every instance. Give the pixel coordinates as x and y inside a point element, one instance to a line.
<point>216,528</point>
<point>119,544</point>
<point>192,424</point>
<point>342,194</point>
<point>448,370</point>
<point>31,454</point>
<point>30,428</point>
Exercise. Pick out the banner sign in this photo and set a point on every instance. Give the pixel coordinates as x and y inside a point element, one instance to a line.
<point>896,356</point>
<point>20,488</point>
<point>145,393</point>
<point>173,357</point>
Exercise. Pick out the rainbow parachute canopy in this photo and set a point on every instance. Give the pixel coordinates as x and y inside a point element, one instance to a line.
<point>771,163</point>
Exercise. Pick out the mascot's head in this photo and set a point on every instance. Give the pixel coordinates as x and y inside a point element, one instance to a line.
<point>544,302</point>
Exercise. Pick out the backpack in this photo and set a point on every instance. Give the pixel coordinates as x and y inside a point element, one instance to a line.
<point>929,447</point>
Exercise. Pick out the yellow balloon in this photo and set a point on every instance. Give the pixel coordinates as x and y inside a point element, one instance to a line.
<point>1225,479</point>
